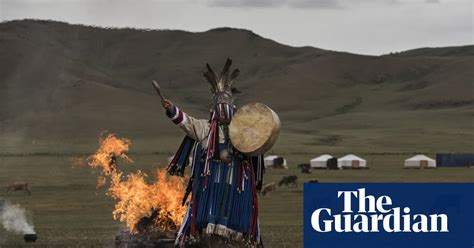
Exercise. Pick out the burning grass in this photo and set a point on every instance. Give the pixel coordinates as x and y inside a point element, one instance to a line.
<point>136,199</point>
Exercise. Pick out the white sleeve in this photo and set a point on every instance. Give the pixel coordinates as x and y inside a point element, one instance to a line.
<point>197,129</point>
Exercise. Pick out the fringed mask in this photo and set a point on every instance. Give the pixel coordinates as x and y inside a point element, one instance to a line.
<point>222,88</point>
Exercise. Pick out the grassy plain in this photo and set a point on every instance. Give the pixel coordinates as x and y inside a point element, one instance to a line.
<point>68,211</point>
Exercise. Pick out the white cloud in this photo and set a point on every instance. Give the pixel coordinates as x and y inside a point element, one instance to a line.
<point>318,4</point>
<point>276,3</point>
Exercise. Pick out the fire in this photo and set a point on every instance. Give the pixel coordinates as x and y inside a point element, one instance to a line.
<point>110,148</point>
<point>136,198</point>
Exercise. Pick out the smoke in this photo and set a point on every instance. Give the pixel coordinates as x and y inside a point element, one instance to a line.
<point>14,218</point>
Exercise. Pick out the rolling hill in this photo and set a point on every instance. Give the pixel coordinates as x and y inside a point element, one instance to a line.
<point>62,84</point>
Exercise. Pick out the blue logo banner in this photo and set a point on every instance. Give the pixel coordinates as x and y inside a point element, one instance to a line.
<point>385,215</point>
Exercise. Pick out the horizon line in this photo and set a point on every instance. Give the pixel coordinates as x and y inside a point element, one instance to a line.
<point>3,21</point>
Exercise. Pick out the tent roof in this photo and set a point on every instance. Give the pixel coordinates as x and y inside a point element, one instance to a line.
<point>351,157</point>
<point>323,157</point>
<point>420,157</point>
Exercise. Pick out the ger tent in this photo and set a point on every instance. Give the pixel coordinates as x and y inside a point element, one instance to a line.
<point>320,162</point>
<point>420,161</point>
<point>275,161</point>
<point>351,161</point>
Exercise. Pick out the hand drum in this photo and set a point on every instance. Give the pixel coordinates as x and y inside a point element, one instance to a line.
<point>254,129</point>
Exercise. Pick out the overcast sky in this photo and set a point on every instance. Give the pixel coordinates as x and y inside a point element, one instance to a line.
<point>358,26</point>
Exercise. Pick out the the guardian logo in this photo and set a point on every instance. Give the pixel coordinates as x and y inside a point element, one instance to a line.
<point>363,213</point>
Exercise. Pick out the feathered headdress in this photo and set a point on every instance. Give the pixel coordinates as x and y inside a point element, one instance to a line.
<point>222,86</point>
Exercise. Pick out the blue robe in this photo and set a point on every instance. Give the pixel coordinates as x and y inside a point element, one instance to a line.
<point>224,194</point>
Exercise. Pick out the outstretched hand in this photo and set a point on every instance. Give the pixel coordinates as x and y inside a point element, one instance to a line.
<point>167,104</point>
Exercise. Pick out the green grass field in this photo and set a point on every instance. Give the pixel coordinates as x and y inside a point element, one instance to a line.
<point>68,211</point>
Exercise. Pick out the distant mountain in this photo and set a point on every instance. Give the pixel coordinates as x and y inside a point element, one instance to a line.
<point>462,51</point>
<point>61,85</point>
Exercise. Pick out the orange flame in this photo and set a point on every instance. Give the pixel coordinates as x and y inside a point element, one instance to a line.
<point>135,197</point>
<point>110,147</point>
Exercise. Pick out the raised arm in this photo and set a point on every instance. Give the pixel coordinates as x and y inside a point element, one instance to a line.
<point>197,129</point>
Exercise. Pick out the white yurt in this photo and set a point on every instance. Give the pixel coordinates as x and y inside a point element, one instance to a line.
<point>321,161</point>
<point>275,161</point>
<point>420,161</point>
<point>351,161</point>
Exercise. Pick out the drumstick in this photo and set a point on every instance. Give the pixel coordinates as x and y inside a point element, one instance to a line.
<point>158,89</point>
